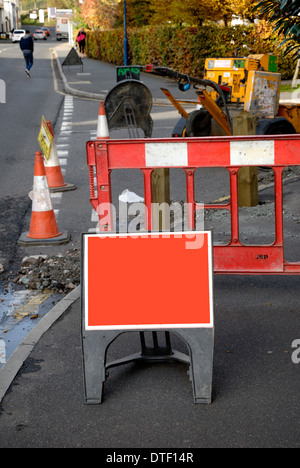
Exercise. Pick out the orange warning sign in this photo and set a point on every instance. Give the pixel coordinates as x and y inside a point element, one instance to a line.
<point>147,280</point>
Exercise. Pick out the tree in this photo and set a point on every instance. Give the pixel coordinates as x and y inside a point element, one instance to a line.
<point>98,14</point>
<point>284,15</point>
<point>138,13</point>
<point>188,12</point>
<point>194,13</point>
<point>243,9</point>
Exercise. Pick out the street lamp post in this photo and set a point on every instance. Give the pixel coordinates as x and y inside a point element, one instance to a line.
<point>125,37</point>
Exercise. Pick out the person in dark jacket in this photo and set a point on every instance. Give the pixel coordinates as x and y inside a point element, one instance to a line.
<point>26,45</point>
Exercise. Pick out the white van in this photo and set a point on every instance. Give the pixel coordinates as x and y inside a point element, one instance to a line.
<point>17,34</point>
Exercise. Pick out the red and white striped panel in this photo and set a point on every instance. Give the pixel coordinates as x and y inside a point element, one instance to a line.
<point>203,152</point>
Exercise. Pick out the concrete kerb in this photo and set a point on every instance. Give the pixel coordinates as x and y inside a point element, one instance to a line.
<point>68,89</point>
<point>98,97</point>
<point>10,369</point>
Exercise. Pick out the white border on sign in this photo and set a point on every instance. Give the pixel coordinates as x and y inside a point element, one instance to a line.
<point>152,326</point>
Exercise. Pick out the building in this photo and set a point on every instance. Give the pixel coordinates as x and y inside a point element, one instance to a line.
<point>9,15</point>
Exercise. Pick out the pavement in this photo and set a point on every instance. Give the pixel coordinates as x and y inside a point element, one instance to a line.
<point>94,81</point>
<point>255,379</point>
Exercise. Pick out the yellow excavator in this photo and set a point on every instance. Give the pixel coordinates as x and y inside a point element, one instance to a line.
<point>230,85</point>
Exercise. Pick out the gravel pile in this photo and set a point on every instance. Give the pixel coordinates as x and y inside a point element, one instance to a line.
<point>266,176</point>
<point>59,273</point>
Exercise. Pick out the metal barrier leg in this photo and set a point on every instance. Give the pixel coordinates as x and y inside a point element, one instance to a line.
<point>200,342</point>
<point>201,346</point>
<point>94,346</point>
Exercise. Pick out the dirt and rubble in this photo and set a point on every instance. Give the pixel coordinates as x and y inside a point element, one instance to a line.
<point>12,215</point>
<point>60,273</point>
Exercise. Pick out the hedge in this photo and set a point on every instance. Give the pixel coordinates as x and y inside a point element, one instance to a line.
<point>185,49</point>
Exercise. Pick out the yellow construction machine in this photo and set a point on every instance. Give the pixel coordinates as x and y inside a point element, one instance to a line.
<point>230,85</point>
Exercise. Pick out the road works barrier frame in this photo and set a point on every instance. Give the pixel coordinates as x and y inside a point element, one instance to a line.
<point>189,154</point>
<point>157,308</point>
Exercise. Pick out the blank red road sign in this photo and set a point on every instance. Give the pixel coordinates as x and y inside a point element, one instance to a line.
<point>147,281</point>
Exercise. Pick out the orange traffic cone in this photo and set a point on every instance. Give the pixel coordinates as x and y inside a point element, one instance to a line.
<point>54,175</point>
<point>43,227</point>
<point>102,127</point>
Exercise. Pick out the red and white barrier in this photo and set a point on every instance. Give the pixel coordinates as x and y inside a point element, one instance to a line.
<point>231,153</point>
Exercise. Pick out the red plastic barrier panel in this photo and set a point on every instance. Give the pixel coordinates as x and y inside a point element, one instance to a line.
<point>147,281</point>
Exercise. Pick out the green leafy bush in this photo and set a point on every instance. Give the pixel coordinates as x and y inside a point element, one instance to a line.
<point>185,49</point>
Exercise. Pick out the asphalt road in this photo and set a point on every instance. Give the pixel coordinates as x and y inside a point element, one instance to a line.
<point>20,117</point>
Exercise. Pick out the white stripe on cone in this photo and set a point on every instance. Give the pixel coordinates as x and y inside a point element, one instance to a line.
<point>102,127</point>
<point>40,195</point>
<point>53,158</point>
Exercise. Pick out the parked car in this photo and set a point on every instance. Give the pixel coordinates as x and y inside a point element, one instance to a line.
<point>46,30</point>
<point>39,34</point>
<point>17,34</point>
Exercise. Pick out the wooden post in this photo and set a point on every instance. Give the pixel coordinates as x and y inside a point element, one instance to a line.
<point>160,196</point>
<point>244,123</point>
<point>294,82</point>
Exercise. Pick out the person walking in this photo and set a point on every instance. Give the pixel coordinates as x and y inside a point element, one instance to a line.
<point>26,45</point>
<point>80,39</point>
